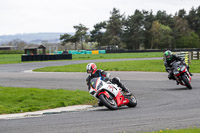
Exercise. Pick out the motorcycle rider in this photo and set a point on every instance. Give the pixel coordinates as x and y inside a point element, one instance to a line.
<point>169,58</point>
<point>93,72</point>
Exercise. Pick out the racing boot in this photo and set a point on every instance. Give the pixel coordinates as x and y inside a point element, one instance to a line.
<point>190,74</point>
<point>188,68</point>
<point>99,103</point>
<point>177,82</point>
<point>126,91</point>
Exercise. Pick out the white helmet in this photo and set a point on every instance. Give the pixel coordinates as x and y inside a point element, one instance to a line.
<point>91,68</point>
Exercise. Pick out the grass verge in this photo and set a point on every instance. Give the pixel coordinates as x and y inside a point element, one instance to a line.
<point>117,55</point>
<point>139,65</point>
<point>15,99</point>
<point>188,130</point>
<point>10,58</point>
<point>16,58</point>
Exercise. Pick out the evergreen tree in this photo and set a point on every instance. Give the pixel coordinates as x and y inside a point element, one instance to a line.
<point>148,20</point>
<point>164,18</point>
<point>133,34</point>
<point>180,29</point>
<point>194,20</point>
<point>66,38</point>
<point>80,33</point>
<point>98,32</point>
<point>182,13</point>
<point>191,40</point>
<point>113,32</point>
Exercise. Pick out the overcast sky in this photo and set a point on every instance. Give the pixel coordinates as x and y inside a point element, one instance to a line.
<point>33,16</point>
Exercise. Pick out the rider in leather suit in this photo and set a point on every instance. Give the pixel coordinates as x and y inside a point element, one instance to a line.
<point>92,70</point>
<point>169,58</point>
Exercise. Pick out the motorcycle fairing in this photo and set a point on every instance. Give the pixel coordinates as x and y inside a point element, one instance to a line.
<point>182,72</point>
<point>120,99</point>
<point>105,93</point>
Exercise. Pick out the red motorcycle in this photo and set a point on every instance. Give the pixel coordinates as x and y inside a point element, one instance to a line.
<point>110,95</point>
<point>181,74</point>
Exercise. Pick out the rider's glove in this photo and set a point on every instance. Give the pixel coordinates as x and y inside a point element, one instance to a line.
<point>109,82</point>
<point>106,79</point>
<point>182,60</point>
<point>88,87</point>
<point>168,69</point>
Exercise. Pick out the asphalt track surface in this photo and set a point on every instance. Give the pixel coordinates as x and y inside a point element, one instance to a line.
<point>161,103</point>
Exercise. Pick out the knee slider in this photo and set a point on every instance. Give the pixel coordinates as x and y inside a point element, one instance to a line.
<point>116,80</point>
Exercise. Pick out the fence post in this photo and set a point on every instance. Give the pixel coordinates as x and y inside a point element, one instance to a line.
<point>190,57</point>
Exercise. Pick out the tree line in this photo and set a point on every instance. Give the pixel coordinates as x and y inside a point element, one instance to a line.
<point>142,30</point>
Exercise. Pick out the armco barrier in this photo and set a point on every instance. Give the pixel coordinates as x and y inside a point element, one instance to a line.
<point>46,57</point>
<point>102,51</point>
<point>87,52</point>
<point>95,52</point>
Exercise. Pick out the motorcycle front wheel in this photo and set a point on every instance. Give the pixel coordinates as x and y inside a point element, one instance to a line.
<point>186,81</point>
<point>109,103</point>
<point>132,101</point>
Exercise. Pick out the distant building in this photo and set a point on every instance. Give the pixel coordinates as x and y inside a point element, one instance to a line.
<point>34,50</point>
<point>8,47</point>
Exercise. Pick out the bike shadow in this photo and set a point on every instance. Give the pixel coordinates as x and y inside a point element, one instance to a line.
<point>103,108</point>
<point>176,89</point>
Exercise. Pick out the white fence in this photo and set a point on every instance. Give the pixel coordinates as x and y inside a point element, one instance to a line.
<point>195,55</point>
<point>184,55</point>
<point>191,55</point>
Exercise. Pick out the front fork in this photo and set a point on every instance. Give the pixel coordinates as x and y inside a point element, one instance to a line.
<point>179,79</point>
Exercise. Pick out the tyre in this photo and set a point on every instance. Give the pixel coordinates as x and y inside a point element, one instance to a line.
<point>109,103</point>
<point>186,81</point>
<point>132,101</point>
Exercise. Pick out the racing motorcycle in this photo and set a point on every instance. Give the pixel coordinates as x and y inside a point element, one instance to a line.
<point>110,95</point>
<point>181,74</point>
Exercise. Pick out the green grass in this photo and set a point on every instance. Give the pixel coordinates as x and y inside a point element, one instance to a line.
<point>194,66</point>
<point>10,58</point>
<point>117,55</point>
<point>140,65</point>
<point>188,130</point>
<point>16,58</point>
<point>15,99</point>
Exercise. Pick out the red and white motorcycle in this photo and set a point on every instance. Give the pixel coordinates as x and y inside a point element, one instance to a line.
<point>110,95</point>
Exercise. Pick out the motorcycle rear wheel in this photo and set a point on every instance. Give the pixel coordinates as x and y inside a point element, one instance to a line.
<point>109,103</point>
<point>132,101</point>
<point>186,81</point>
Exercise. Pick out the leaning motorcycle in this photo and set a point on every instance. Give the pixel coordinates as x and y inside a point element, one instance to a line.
<point>181,74</point>
<point>110,95</point>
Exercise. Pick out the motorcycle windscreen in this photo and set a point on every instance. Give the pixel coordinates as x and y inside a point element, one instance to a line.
<point>175,65</point>
<point>93,82</point>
